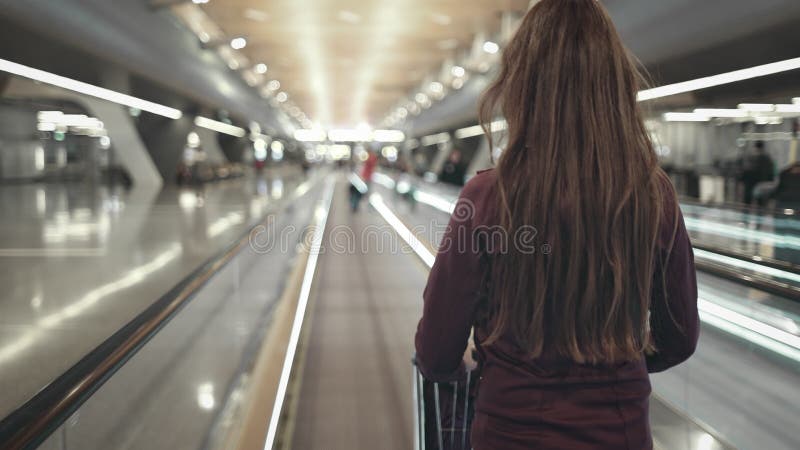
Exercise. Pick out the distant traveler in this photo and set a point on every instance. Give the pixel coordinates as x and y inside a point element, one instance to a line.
<point>367,172</point>
<point>759,168</point>
<point>570,260</point>
<point>787,192</point>
<point>453,171</point>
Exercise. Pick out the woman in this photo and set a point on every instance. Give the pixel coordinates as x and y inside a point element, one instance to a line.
<point>570,260</point>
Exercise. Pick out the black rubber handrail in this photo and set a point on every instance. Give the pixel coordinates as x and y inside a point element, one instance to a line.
<point>781,289</point>
<point>755,259</point>
<point>31,424</point>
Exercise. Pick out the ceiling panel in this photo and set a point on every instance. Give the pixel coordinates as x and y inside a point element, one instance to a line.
<point>344,62</point>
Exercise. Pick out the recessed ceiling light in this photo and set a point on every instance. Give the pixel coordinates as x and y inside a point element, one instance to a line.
<point>199,2</point>
<point>255,14</point>
<point>274,85</point>
<point>261,68</point>
<point>491,47</point>
<point>282,97</point>
<point>458,71</point>
<point>238,43</point>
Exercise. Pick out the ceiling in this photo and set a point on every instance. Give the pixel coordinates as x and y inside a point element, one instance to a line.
<point>347,62</point>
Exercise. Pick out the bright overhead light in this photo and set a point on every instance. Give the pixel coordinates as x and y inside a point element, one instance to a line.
<point>721,79</point>
<point>88,89</point>
<point>350,135</point>
<point>491,47</point>
<point>685,117</point>
<point>468,132</point>
<point>388,136</point>
<point>757,107</point>
<point>199,2</point>
<point>434,139</point>
<point>274,85</point>
<point>787,108</point>
<point>436,87</point>
<point>477,130</point>
<point>458,71</point>
<point>421,98</point>
<point>261,68</point>
<point>724,113</point>
<point>219,127</point>
<point>282,97</point>
<point>309,135</point>
<point>238,43</point>
<point>390,153</point>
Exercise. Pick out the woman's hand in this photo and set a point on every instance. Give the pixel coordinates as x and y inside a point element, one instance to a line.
<point>469,361</point>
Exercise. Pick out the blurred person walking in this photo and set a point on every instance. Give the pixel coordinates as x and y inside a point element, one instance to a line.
<point>759,168</point>
<point>367,172</point>
<point>570,260</point>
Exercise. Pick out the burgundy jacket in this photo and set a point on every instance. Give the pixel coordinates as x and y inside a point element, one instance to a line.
<point>550,402</point>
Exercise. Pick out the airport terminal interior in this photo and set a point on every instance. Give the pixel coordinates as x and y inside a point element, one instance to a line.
<point>191,255</point>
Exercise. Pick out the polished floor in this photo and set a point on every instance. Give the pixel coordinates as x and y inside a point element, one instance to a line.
<point>79,261</point>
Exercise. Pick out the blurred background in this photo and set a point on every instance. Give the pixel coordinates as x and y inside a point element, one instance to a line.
<point>164,165</point>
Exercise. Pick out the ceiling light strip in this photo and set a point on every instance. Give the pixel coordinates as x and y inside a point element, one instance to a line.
<point>719,80</point>
<point>690,86</point>
<point>88,89</point>
<point>219,127</point>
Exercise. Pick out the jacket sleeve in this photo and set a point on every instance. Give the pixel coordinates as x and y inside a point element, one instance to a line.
<point>674,320</point>
<point>450,297</point>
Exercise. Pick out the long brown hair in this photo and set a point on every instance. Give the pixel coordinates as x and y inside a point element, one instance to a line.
<point>578,166</point>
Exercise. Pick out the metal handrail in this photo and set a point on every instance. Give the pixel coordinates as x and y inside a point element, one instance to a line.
<point>742,207</point>
<point>32,423</point>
